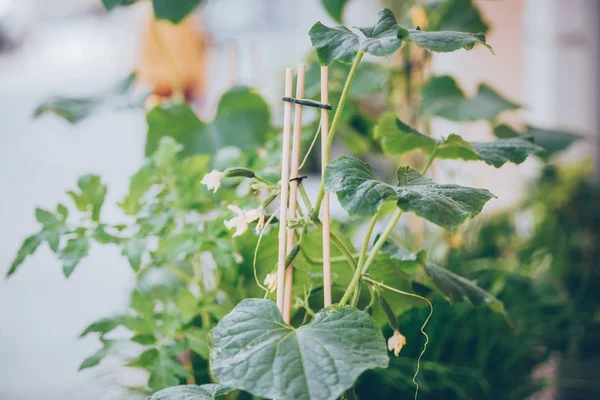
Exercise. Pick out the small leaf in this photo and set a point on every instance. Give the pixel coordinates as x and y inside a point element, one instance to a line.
<point>455,147</point>
<point>456,289</point>
<point>254,350</point>
<point>91,195</point>
<point>71,109</point>
<point>192,392</point>
<point>442,97</point>
<point>174,10</point>
<point>139,185</point>
<point>102,326</point>
<point>134,250</point>
<point>443,41</point>
<point>101,236</point>
<point>162,374</point>
<point>29,246</point>
<point>145,340</point>
<point>361,193</point>
<point>108,347</point>
<point>146,359</point>
<point>74,251</point>
<point>335,8</point>
<point>197,340</point>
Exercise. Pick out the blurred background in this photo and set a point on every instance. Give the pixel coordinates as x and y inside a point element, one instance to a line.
<point>547,59</point>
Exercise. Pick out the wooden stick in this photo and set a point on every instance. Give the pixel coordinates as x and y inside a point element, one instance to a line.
<point>289,273</point>
<point>285,177</point>
<point>326,216</point>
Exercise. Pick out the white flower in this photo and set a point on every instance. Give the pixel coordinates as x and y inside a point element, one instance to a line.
<point>238,258</point>
<point>271,282</point>
<point>396,342</point>
<point>212,180</point>
<point>243,218</point>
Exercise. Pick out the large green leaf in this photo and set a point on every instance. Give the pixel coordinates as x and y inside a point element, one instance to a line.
<point>242,120</point>
<point>442,97</point>
<point>551,141</point>
<point>191,392</point>
<point>174,10</point>
<point>335,8</point>
<point>399,138</point>
<point>443,41</point>
<point>383,39</point>
<point>76,109</point>
<point>361,193</point>
<point>254,350</point>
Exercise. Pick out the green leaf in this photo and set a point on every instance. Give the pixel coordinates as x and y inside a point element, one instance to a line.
<point>29,246</point>
<point>108,347</point>
<point>197,340</point>
<point>361,193</point>
<point>398,138</point>
<point>551,141</point>
<point>254,350</point>
<point>174,10</point>
<point>456,15</point>
<point>110,4</point>
<point>335,8</point>
<point>192,392</point>
<point>455,289</point>
<point>242,120</point>
<point>144,340</point>
<point>139,185</point>
<point>76,109</point>
<point>103,326</point>
<point>103,237</point>
<point>442,97</point>
<point>164,373</point>
<point>134,250</point>
<point>383,39</point>
<point>499,152</point>
<point>91,195</point>
<point>443,41</point>
<point>146,359</point>
<point>73,110</point>
<point>74,251</point>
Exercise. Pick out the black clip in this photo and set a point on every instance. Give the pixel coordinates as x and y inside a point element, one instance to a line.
<point>308,103</point>
<point>299,178</point>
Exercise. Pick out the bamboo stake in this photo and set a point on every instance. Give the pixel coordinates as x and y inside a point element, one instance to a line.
<point>326,217</point>
<point>285,177</point>
<point>289,273</point>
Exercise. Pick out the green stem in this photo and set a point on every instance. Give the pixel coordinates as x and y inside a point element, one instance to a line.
<point>429,162</point>
<point>305,198</point>
<point>363,251</point>
<point>374,251</point>
<point>334,125</point>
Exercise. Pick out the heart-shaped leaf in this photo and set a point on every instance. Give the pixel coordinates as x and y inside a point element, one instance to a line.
<point>442,97</point>
<point>455,15</point>
<point>191,392</point>
<point>254,350</point>
<point>383,39</point>
<point>361,193</point>
<point>399,138</point>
